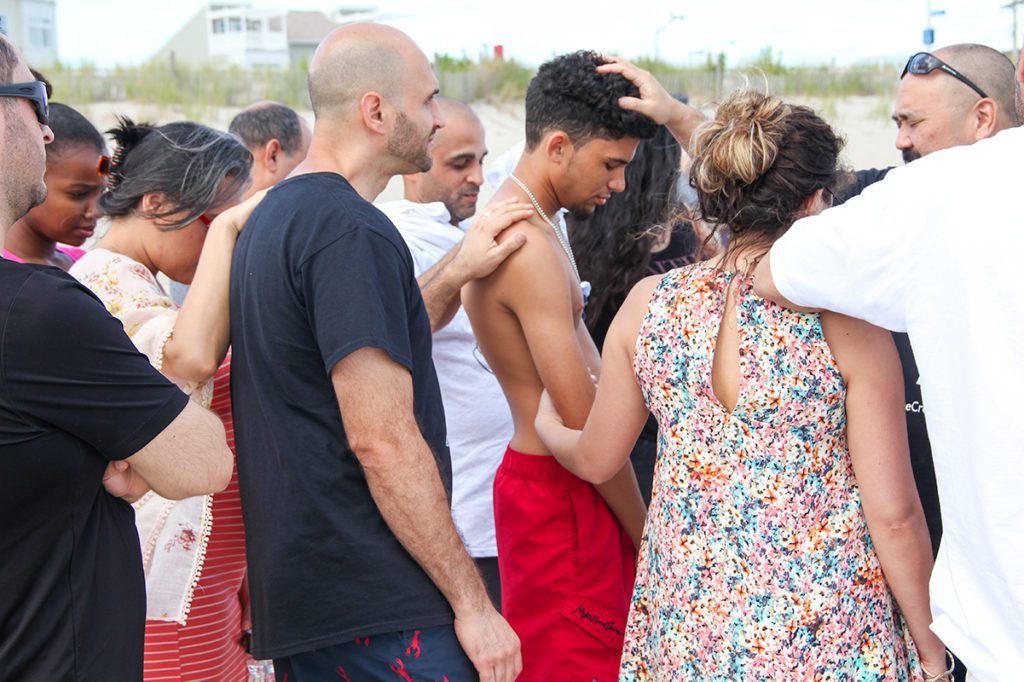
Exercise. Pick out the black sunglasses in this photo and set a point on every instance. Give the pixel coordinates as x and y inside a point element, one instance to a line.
<point>34,91</point>
<point>924,63</point>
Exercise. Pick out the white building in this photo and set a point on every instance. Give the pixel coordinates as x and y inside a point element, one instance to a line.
<point>32,26</point>
<point>247,37</point>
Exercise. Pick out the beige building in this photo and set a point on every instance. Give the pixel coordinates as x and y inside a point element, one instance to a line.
<point>247,37</point>
<point>32,26</point>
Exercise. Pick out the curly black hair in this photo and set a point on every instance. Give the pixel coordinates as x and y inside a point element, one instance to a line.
<point>569,94</point>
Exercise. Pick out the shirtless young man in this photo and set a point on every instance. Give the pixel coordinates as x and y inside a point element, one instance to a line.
<point>565,550</point>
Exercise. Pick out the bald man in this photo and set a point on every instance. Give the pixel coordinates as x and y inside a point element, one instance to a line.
<point>355,566</point>
<point>957,95</point>
<point>277,137</point>
<point>432,219</point>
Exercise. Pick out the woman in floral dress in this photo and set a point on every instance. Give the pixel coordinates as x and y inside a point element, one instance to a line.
<point>785,539</point>
<point>172,200</point>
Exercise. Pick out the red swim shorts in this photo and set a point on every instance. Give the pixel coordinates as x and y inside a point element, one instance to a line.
<point>567,570</point>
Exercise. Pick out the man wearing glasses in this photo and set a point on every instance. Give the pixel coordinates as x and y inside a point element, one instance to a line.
<point>86,426</point>
<point>900,257</point>
<point>957,95</point>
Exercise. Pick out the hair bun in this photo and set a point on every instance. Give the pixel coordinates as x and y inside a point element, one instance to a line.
<point>742,142</point>
<point>127,135</point>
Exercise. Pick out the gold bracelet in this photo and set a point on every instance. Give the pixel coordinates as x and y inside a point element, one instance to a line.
<point>945,676</point>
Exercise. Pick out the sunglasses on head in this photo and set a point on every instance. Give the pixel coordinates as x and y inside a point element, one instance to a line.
<point>35,92</point>
<point>924,63</point>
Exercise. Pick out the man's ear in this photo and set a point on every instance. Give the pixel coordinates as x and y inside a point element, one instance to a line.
<point>983,118</point>
<point>372,110</point>
<point>270,151</point>
<point>558,146</point>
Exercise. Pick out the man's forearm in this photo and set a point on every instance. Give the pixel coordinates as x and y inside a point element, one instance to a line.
<point>440,287</point>
<point>407,489</point>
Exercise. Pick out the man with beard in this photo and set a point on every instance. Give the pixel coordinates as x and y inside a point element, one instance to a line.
<point>956,96</point>
<point>892,258</point>
<point>356,570</point>
<point>432,219</point>
<point>565,550</point>
<point>86,427</point>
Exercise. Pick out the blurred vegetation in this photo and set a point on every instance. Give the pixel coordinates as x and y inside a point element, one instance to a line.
<point>197,89</point>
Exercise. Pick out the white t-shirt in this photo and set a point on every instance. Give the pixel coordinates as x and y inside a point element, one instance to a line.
<point>936,250</point>
<point>476,413</point>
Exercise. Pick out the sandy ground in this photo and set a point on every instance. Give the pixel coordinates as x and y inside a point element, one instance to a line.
<point>864,121</point>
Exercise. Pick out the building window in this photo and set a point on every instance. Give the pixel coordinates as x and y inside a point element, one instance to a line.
<point>253,25</point>
<point>235,24</point>
<point>40,32</point>
<point>274,24</point>
<point>218,25</point>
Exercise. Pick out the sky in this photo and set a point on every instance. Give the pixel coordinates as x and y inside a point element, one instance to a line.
<point>108,32</point>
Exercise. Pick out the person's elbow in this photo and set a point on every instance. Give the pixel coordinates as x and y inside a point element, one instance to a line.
<point>189,458</point>
<point>587,468</point>
<point>192,365</point>
<point>378,452</point>
<point>895,519</point>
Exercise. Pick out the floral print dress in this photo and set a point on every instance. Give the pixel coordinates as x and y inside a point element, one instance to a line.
<point>756,563</point>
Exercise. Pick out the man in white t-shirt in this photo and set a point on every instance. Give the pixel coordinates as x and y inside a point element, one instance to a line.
<point>431,219</point>
<point>904,255</point>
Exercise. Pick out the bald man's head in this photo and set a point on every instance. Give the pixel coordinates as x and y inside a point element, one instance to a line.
<point>356,59</point>
<point>990,70</point>
<point>1020,87</point>
<point>937,110</point>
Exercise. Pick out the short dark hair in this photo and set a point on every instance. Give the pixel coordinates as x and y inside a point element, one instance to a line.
<point>261,123</point>
<point>569,94</point>
<point>9,59</point>
<point>186,161</point>
<point>71,129</point>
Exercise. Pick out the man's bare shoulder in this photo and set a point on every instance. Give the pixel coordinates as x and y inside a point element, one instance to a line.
<point>539,256</point>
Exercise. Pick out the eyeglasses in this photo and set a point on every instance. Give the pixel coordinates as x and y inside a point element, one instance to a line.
<point>103,165</point>
<point>34,91</point>
<point>924,63</point>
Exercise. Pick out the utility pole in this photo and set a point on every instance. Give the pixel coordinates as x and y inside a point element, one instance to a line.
<point>929,32</point>
<point>1012,6</point>
<point>657,34</point>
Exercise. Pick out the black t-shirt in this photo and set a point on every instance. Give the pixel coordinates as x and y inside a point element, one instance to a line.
<point>74,394</point>
<point>917,431</point>
<point>319,273</point>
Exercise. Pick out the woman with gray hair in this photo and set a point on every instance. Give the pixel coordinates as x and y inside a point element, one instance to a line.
<point>173,200</point>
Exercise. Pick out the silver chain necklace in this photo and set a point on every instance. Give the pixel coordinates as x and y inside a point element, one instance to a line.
<point>562,239</point>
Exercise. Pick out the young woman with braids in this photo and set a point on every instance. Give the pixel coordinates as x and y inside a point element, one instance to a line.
<point>173,203</point>
<point>638,233</point>
<point>785,538</point>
